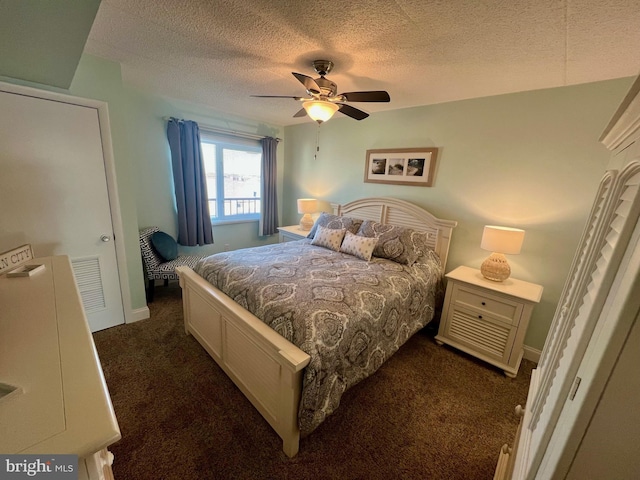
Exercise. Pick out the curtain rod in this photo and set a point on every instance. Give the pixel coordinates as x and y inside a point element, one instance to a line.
<point>225,131</point>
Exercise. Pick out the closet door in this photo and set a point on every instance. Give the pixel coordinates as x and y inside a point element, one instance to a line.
<point>597,433</point>
<point>54,193</point>
<point>609,228</point>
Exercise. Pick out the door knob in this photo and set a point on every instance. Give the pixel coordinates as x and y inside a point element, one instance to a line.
<point>105,238</point>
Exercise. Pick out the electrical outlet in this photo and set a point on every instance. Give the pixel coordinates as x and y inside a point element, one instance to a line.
<point>226,247</point>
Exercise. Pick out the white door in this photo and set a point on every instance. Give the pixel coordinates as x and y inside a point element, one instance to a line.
<point>54,195</point>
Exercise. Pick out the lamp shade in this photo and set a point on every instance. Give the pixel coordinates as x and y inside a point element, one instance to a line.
<point>505,240</point>
<point>319,110</point>
<point>307,205</point>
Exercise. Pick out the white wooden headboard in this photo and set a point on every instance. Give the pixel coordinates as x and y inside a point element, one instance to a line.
<point>402,213</point>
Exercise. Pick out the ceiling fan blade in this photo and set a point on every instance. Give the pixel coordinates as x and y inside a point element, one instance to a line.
<point>353,112</point>
<point>300,113</point>
<point>308,82</point>
<point>372,96</point>
<point>277,96</point>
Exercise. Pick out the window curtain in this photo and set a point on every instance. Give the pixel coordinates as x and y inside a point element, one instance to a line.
<point>269,210</point>
<point>194,221</point>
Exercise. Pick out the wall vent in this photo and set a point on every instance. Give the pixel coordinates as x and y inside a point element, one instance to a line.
<point>89,280</point>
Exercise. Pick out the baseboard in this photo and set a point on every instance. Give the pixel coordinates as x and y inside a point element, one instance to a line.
<point>531,354</point>
<point>138,314</point>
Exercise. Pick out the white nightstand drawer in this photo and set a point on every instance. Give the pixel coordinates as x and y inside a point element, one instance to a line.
<point>481,333</point>
<point>499,307</point>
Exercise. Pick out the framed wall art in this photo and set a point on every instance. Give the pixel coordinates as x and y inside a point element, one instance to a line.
<point>401,166</point>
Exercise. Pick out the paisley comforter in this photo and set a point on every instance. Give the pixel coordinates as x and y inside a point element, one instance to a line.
<point>347,314</point>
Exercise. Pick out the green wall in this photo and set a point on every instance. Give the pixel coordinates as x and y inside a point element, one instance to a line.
<point>530,160</point>
<point>143,161</point>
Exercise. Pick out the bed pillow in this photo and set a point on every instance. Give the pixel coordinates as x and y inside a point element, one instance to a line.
<point>361,247</point>
<point>329,220</point>
<point>400,244</point>
<point>330,238</point>
<point>421,244</point>
<point>165,245</point>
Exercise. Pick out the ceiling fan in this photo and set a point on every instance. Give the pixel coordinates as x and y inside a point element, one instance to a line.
<point>324,100</point>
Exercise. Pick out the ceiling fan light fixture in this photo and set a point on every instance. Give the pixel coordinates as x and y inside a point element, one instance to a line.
<point>319,110</point>
<point>324,98</point>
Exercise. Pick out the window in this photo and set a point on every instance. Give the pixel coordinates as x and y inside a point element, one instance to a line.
<point>233,169</point>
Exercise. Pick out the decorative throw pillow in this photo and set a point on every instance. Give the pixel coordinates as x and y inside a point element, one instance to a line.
<point>361,247</point>
<point>330,238</point>
<point>394,242</point>
<point>165,245</point>
<point>329,220</point>
<point>421,244</point>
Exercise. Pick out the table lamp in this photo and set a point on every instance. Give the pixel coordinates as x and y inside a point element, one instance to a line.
<point>307,206</point>
<point>499,241</point>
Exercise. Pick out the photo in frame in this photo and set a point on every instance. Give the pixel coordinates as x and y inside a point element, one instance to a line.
<point>401,166</point>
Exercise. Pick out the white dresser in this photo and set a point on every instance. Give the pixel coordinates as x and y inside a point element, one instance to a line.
<point>61,404</point>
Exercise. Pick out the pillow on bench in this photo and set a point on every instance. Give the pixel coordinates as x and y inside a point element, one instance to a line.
<point>165,245</point>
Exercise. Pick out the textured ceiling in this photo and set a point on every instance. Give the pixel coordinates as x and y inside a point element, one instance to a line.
<point>219,52</point>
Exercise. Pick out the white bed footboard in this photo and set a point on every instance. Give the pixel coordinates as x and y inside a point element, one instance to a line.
<point>265,366</point>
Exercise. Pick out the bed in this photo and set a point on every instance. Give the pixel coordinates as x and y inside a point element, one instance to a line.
<point>293,387</point>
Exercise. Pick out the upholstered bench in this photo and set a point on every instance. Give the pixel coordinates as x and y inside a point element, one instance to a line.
<point>160,258</point>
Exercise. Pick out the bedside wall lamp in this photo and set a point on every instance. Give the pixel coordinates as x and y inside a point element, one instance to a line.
<point>499,241</point>
<point>307,206</point>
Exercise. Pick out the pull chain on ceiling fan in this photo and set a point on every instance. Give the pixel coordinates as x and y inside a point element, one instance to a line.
<point>324,100</point>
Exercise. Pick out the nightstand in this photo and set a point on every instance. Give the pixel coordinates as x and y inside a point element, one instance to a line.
<point>487,319</point>
<point>291,233</point>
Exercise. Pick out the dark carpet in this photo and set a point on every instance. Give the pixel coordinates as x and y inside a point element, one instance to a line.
<point>430,412</point>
